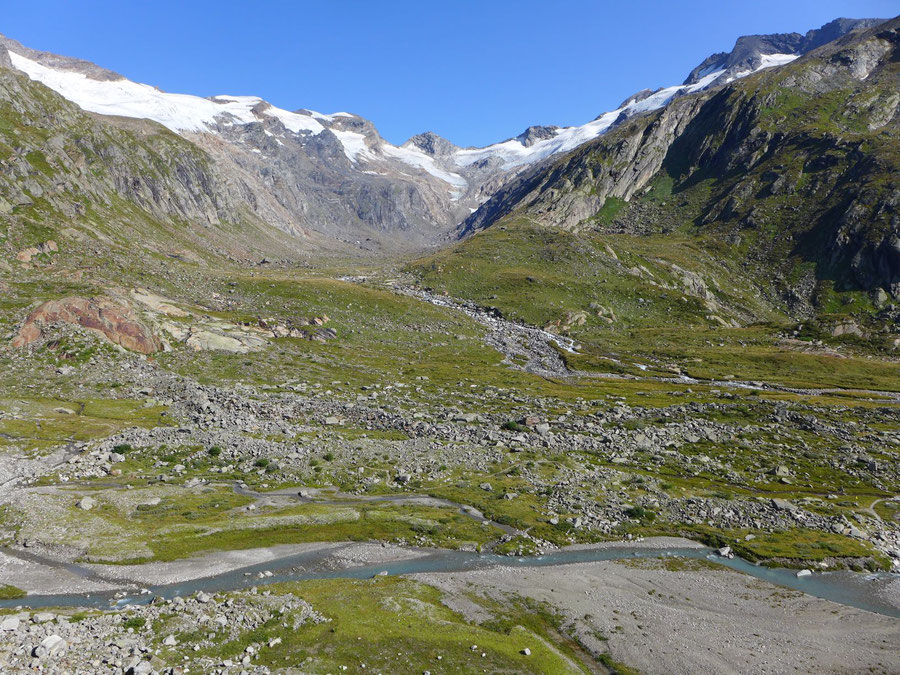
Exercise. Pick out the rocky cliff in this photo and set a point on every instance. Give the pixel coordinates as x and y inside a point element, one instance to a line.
<point>68,175</point>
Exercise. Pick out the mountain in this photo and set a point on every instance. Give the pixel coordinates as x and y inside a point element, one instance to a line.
<point>794,170</point>
<point>751,52</point>
<point>330,173</point>
<point>334,175</point>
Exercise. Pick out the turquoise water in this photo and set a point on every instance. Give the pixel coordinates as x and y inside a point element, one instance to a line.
<point>872,592</point>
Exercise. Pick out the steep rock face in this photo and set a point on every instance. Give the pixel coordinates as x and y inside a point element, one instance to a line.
<point>749,50</point>
<point>800,163</point>
<point>116,322</point>
<point>573,189</point>
<point>311,180</point>
<point>60,163</point>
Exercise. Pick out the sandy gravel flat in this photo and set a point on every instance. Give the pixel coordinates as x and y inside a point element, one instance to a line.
<point>696,621</point>
<point>56,578</point>
<point>39,579</point>
<point>207,565</point>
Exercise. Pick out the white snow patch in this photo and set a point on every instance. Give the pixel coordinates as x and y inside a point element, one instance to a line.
<point>419,159</point>
<point>766,61</point>
<point>354,145</point>
<point>178,112</point>
<point>772,60</point>
<point>513,153</point>
<point>331,117</point>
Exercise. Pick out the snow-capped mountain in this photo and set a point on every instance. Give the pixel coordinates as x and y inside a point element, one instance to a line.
<point>334,173</point>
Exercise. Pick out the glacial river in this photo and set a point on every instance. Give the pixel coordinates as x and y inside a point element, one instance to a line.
<point>879,593</point>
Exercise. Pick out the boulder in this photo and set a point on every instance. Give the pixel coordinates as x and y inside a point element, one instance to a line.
<point>207,340</point>
<point>86,503</point>
<point>27,254</point>
<point>784,505</point>
<point>116,322</point>
<point>9,623</point>
<point>51,646</point>
<point>141,668</point>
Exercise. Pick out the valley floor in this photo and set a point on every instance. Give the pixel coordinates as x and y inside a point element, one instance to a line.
<point>422,423</point>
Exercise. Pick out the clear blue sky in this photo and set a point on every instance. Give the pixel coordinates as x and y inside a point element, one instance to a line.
<point>473,71</point>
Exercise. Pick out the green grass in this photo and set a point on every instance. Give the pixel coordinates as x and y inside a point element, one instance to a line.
<point>127,529</point>
<point>312,523</point>
<point>396,625</point>
<point>793,548</point>
<point>540,276</point>
<point>9,592</point>
<point>42,427</point>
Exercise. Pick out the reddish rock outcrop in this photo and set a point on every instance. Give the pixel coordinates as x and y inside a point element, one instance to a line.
<point>115,322</point>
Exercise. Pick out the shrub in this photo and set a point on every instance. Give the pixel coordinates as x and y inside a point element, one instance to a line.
<point>640,513</point>
<point>514,426</point>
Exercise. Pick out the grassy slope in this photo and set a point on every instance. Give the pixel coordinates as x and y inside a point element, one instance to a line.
<point>540,276</point>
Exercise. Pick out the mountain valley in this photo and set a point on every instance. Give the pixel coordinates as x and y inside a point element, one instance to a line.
<point>254,359</point>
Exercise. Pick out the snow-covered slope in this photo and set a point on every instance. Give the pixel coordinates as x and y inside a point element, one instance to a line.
<point>514,153</point>
<point>185,113</point>
<point>336,173</point>
<point>178,112</point>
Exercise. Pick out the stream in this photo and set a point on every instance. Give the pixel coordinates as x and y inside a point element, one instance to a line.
<point>870,592</point>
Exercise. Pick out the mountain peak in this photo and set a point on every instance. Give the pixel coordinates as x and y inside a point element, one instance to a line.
<point>431,144</point>
<point>536,133</point>
<point>750,51</point>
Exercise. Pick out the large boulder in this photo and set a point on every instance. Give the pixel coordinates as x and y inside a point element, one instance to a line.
<point>52,645</point>
<point>116,322</point>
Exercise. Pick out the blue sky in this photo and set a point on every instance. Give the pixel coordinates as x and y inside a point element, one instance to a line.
<point>474,72</point>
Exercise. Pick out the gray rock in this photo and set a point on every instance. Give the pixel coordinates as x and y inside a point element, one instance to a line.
<point>10,623</point>
<point>50,647</point>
